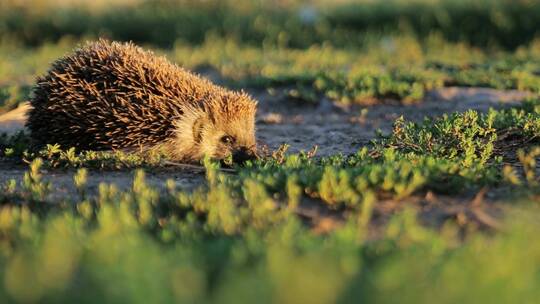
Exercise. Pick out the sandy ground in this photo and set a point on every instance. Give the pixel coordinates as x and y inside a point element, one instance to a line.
<point>333,129</point>
<point>336,129</point>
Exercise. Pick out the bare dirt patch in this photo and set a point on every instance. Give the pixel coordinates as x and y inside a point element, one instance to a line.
<point>336,129</point>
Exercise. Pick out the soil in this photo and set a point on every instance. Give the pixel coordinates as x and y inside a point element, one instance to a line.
<point>336,129</point>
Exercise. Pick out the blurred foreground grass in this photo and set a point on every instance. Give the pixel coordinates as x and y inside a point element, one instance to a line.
<point>138,247</point>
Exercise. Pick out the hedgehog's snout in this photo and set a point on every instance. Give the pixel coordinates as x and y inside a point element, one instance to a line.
<point>243,154</point>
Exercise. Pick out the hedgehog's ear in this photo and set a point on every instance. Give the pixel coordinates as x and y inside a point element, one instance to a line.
<point>198,127</point>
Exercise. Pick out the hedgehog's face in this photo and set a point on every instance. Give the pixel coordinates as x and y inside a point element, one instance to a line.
<point>219,128</point>
<point>224,139</point>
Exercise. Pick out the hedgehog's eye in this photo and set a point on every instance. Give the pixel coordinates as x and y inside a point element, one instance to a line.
<point>227,139</point>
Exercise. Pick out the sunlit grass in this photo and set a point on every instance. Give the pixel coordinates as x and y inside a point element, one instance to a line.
<point>211,244</point>
<point>395,68</point>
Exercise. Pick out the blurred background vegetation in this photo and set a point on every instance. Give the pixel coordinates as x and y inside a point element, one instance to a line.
<point>348,51</point>
<point>293,23</point>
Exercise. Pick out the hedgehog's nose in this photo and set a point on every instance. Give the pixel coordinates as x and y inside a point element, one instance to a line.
<point>242,155</point>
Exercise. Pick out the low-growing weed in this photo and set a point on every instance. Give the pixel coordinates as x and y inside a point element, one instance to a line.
<point>228,234</point>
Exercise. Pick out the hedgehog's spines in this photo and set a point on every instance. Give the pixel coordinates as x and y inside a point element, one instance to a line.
<point>117,95</point>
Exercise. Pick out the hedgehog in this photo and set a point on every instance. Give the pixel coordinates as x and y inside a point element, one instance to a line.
<point>118,96</point>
